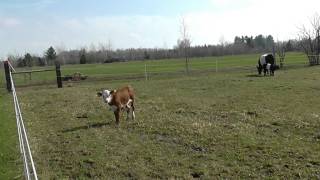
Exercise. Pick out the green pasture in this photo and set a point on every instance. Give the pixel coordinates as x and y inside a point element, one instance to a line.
<point>225,125</point>
<point>10,160</point>
<point>154,68</point>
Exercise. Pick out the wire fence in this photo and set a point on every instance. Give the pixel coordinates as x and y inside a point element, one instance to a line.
<point>149,70</point>
<point>29,166</point>
<point>152,71</point>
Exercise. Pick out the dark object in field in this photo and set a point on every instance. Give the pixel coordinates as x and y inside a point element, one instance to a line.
<point>266,62</point>
<point>252,113</point>
<point>75,77</point>
<point>113,59</point>
<point>118,100</point>
<point>197,174</point>
<point>82,116</point>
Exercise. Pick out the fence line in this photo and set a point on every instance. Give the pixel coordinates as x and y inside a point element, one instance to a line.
<point>158,74</point>
<point>29,170</point>
<point>149,70</point>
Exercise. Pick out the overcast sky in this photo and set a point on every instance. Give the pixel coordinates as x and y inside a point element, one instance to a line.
<point>34,25</point>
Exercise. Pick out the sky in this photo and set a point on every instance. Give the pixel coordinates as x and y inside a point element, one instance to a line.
<point>34,25</point>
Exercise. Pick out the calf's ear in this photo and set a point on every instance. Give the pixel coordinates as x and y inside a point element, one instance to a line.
<point>99,94</point>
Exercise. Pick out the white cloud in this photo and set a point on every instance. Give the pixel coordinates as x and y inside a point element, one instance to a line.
<point>227,5</point>
<point>122,31</point>
<point>9,22</point>
<point>278,18</point>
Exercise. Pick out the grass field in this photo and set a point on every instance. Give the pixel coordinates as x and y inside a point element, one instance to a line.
<point>10,160</point>
<point>136,69</point>
<point>213,125</point>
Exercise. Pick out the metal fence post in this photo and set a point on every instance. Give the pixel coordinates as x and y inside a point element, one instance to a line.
<point>216,65</point>
<point>145,71</point>
<point>7,74</point>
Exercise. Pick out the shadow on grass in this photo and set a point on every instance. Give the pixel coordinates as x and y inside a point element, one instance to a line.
<point>254,75</point>
<point>89,126</point>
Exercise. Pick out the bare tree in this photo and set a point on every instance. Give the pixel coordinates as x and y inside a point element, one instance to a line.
<point>15,59</point>
<point>310,40</point>
<point>61,55</point>
<point>92,48</point>
<point>184,43</point>
<point>105,51</point>
<point>109,49</point>
<point>281,51</point>
<point>222,43</point>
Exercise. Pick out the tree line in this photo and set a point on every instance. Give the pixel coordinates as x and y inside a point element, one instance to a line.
<point>241,45</point>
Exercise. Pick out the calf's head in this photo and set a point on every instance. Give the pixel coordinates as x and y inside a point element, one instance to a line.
<point>106,95</point>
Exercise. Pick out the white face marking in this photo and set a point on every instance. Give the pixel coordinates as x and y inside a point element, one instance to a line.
<point>106,91</point>
<point>106,96</point>
<point>109,98</point>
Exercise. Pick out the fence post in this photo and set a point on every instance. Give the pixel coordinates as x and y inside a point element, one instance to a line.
<point>145,71</point>
<point>7,74</point>
<point>58,74</point>
<point>216,65</point>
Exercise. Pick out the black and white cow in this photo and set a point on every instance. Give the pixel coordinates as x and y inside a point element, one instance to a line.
<point>266,62</point>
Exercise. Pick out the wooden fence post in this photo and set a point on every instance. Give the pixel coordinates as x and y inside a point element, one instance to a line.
<point>58,73</point>
<point>7,74</point>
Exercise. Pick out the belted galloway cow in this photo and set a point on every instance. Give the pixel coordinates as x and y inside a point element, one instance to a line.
<point>266,62</point>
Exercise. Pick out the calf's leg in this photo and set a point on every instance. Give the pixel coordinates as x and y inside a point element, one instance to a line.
<point>128,113</point>
<point>133,115</point>
<point>117,115</point>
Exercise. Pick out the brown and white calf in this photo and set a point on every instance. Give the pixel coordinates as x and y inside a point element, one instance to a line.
<point>119,100</point>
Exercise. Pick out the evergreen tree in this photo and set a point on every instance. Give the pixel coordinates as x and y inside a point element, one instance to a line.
<point>260,41</point>
<point>50,55</point>
<point>269,41</point>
